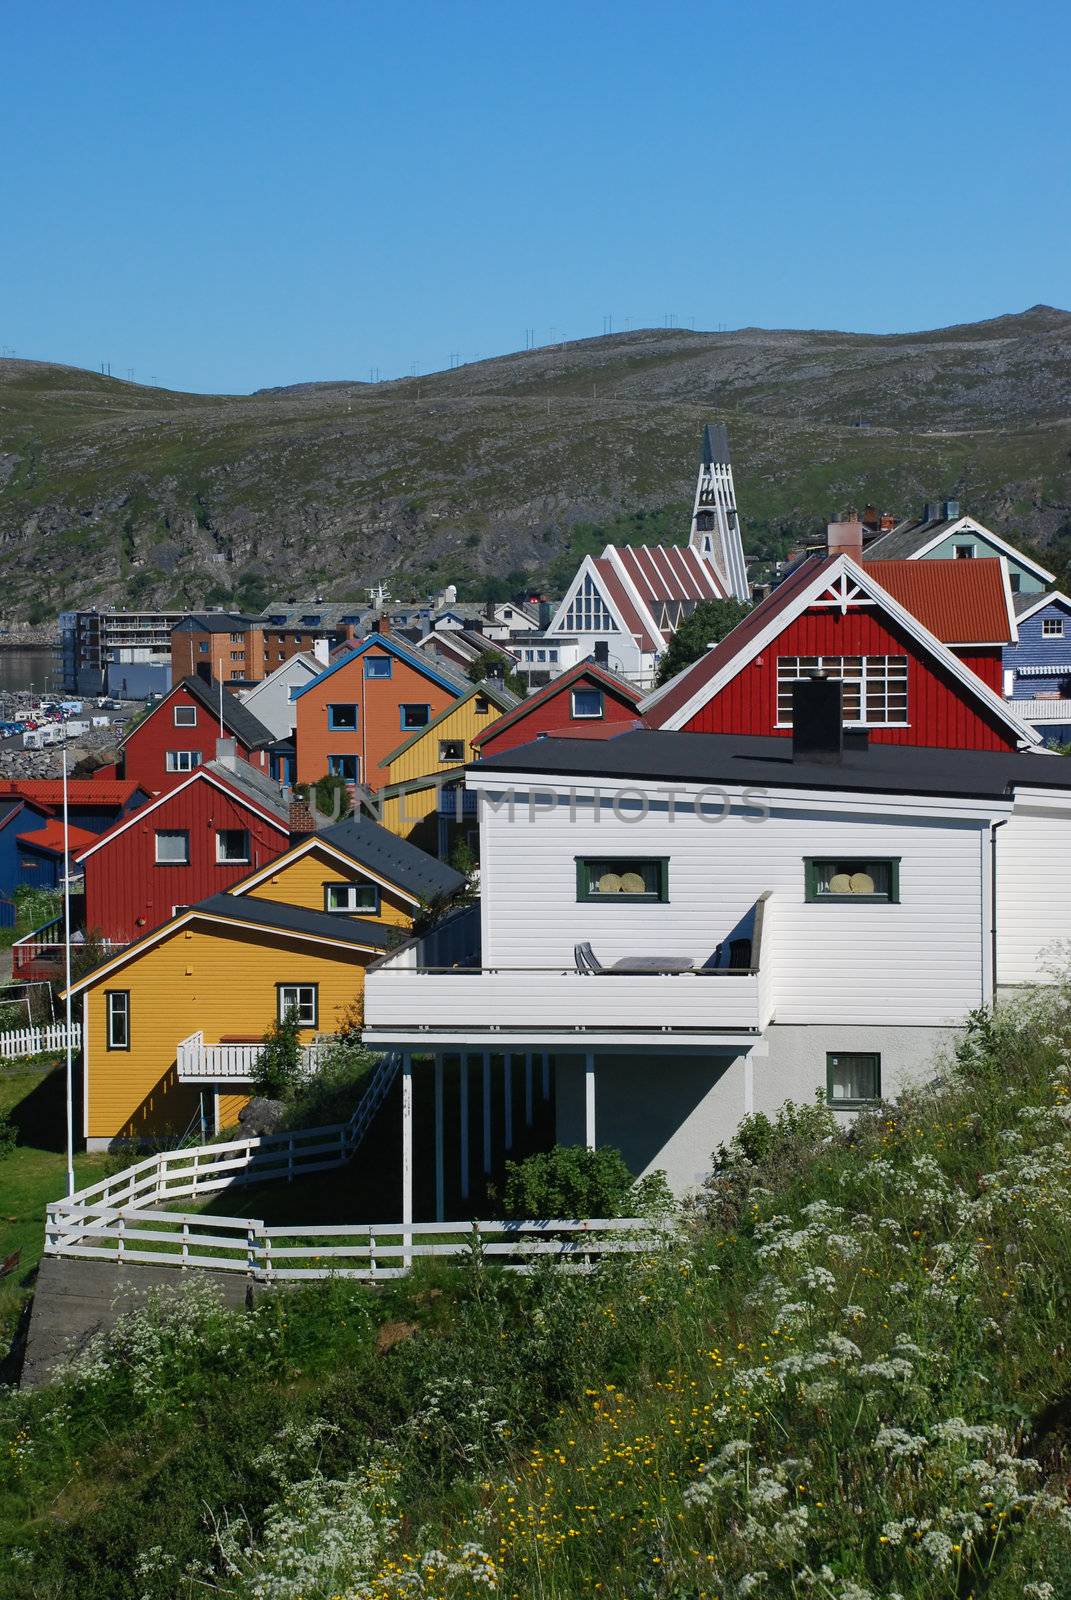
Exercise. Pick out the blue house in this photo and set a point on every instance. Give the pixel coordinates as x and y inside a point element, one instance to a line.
<point>1037,668</point>
<point>17,816</point>
<point>942,533</point>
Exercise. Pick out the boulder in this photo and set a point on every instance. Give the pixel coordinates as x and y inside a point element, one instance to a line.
<point>261,1115</point>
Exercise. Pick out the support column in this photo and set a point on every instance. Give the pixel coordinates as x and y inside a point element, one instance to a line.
<point>529,1112</point>
<point>487,1113</point>
<point>440,1168</point>
<point>507,1101</point>
<point>749,1085</point>
<point>589,1099</point>
<point>546,1076</point>
<point>407,1159</point>
<point>463,1112</point>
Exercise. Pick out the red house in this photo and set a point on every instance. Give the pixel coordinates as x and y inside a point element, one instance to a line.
<point>587,702</point>
<point>196,839</point>
<point>180,733</point>
<point>917,646</point>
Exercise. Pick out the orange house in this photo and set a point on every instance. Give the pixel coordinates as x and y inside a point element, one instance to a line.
<point>359,710</point>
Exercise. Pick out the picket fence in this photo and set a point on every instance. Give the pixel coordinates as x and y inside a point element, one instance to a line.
<point>38,1041</point>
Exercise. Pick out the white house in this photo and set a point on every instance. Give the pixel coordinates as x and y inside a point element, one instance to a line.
<point>679,929</point>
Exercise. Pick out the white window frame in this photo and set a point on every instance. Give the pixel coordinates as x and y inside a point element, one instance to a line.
<point>890,671</point>
<point>1052,627</point>
<point>185,720</point>
<point>111,1010</point>
<point>588,611</point>
<point>171,833</point>
<point>285,1004</point>
<point>444,757</point>
<point>231,861</point>
<point>351,908</point>
<point>588,716</point>
<point>181,760</point>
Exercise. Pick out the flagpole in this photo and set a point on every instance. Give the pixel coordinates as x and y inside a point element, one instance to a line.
<point>67,957</point>
<point>221,732</point>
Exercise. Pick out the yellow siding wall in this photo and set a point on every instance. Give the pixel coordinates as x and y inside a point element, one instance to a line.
<point>300,882</point>
<point>413,816</point>
<point>228,1107</point>
<point>218,980</point>
<point>422,757</point>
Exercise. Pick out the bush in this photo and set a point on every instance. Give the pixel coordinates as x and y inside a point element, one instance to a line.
<point>277,1071</point>
<point>332,1092</point>
<point>572,1181</point>
<point>765,1152</point>
<point>9,1135</point>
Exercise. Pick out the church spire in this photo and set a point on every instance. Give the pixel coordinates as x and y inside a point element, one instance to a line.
<point>715,531</point>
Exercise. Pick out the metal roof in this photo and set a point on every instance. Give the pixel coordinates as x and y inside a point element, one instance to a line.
<point>907,539</point>
<point>961,602</point>
<point>768,763</point>
<point>369,845</point>
<point>236,717</point>
<point>80,791</point>
<point>715,445</point>
<point>249,781</point>
<point>296,919</point>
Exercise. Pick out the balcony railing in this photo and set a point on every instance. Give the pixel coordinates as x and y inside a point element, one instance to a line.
<point>198,1062</point>
<point>414,996</point>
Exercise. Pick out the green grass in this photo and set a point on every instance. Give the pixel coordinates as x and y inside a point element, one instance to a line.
<point>851,1377</point>
<point>33,1096</point>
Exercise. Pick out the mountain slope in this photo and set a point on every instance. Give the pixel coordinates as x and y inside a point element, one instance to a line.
<point>110,492</point>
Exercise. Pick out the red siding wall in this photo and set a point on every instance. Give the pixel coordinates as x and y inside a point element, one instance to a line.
<point>939,711</point>
<point>555,715</point>
<point>127,893</point>
<point>145,751</point>
<point>987,663</point>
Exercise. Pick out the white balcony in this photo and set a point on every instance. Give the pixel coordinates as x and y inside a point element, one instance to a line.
<point>427,994</point>
<point>198,1062</point>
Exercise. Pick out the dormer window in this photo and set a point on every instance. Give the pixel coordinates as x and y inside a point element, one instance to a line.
<point>587,703</point>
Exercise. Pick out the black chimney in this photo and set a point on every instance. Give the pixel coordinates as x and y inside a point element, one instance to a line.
<point>602,652</point>
<point>817,720</point>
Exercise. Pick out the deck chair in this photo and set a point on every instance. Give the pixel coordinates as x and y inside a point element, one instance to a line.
<point>586,959</point>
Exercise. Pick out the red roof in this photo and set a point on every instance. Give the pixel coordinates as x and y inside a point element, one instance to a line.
<point>961,602</point>
<point>591,730</point>
<point>50,837</point>
<point>80,791</point>
<point>624,691</point>
<point>656,576</point>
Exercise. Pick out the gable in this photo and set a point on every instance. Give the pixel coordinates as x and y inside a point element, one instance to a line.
<point>382,642</point>
<point>175,802</point>
<point>421,754</point>
<point>298,878</point>
<point>587,606</point>
<point>551,707</point>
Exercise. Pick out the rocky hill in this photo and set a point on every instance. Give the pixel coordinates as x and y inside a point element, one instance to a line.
<point>115,493</point>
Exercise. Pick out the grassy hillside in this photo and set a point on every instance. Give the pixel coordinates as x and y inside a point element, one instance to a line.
<point>851,1380</point>
<point>111,492</point>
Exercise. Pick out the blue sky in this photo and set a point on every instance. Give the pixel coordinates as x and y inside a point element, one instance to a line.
<point>222,195</point>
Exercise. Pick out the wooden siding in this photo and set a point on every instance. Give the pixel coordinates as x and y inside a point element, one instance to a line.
<point>919,962</point>
<point>216,979</point>
<point>379,728</point>
<point>939,709</point>
<point>1033,855</point>
<point>145,749</point>
<point>556,712</point>
<point>422,757</point>
<point>228,1107</point>
<point>413,816</point>
<point>128,893</point>
<point>1029,582</point>
<point>300,882</point>
<point>1035,649</point>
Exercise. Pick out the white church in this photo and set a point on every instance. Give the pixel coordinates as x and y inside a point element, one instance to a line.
<point>623,607</point>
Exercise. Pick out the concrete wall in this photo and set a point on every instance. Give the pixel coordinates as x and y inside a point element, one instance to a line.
<point>671,1111</point>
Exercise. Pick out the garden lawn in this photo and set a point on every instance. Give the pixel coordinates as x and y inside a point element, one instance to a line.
<point>33,1173</point>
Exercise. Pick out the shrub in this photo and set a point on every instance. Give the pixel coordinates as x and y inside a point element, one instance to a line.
<point>332,1092</point>
<point>572,1181</point>
<point>277,1071</point>
<point>9,1134</point>
<point>764,1151</point>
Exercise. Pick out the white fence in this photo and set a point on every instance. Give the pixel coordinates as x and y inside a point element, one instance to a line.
<point>131,1236</point>
<point>38,1041</point>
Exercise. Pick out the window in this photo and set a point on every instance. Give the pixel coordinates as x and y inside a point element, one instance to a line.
<point>483,705</point>
<point>552,655</point>
<point>294,690</point>
<point>185,716</point>
<point>118,1004</point>
<point>301,1001</point>
<point>1015,581</point>
<point>852,878</point>
<point>415,716</point>
<point>587,702</point>
<point>964,552</point>
<point>182,760</point>
<point>588,612</point>
<point>622,878</point>
<point>345,767</point>
<point>378,666</point>
<point>203,647</point>
<point>232,844</point>
<point>172,847</point>
<point>451,749</point>
<point>875,687</point>
<point>342,718</point>
<point>237,655</point>
<point>541,655</point>
<point>1052,627</point>
<point>350,897</point>
<point>236,638</point>
<point>853,1078</point>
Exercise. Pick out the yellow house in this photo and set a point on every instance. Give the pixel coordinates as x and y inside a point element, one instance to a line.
<point>430,764</point>
<point>171,1025</point>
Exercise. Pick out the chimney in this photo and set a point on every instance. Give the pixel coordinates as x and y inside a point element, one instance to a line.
<point>602,652</point>
<point>951,510</point>
<point>227,753</point>
<point>845,538</point>
<point>321,649</point>
<point>375,624</point>
<point>931,511</point>
<point>817,721</point>
<point>301,820</point>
